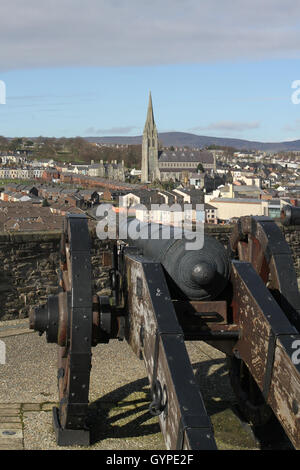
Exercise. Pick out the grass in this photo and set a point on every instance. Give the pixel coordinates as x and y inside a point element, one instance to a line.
<point>17,181</point>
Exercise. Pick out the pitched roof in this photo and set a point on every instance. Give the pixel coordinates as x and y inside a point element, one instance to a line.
<point>209,206</point>
<point>247,188</point>
<point>200,156</point>
<point>237,200</point>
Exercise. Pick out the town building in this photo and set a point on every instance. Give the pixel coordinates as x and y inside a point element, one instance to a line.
<point>210,214</point>
<point>228,208</point>
<point>165,165</point>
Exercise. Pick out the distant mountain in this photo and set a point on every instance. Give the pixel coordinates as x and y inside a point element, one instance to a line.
<point>181,139</point>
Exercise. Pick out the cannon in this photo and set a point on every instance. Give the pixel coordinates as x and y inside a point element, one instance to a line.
<point>290,215</point>
<point>199,274</point>
<point>243,300</point>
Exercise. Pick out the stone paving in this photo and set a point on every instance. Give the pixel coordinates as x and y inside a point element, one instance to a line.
<point>119,396</point>
<point>11,429</point>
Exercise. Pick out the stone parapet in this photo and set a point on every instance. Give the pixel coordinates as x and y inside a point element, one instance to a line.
<point>30,263</point>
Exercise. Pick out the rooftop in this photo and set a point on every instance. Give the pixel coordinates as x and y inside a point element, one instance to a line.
<point>237,200</point>
<point>201,156</point>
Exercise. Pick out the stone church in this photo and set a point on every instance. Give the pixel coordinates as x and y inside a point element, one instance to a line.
<point>165,165</point>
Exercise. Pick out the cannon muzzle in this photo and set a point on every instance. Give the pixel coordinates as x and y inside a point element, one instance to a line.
<point>195,274</point>
<point>290,215</point>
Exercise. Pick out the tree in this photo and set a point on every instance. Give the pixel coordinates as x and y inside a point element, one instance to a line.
<point>45,203</point>
<point>3,143</point>
<point>200,168</point>
<point>15,144</point>
<point>229,178</point>
<point>168,185</point>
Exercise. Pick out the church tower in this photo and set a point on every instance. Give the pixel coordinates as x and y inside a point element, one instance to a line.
<point>150,170</point>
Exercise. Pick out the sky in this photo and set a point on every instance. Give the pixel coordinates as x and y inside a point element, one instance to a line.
<point>221,68</point>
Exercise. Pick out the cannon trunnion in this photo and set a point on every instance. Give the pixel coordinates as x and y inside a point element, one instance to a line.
<point>244,302</point>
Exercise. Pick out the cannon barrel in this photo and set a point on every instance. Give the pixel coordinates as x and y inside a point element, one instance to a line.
<point>290,215</point>
<point>195,274</point>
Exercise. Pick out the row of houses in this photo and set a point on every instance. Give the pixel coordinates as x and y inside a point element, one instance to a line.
<point>168,207</point>
<point>26,173</point>
<point>21,158</point>
<point>96,182</point>
<point>14,158</point>
<point>82,199</point>
<point>216,207</point>
<point>111,170</point>
<point>15,196</point>
<point>220,210</point>
<point>19,167</point>
<point>147,204</point>
<point>26,217</point>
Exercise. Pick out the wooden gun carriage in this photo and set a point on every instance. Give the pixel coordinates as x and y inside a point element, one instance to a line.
<point>244,301</point>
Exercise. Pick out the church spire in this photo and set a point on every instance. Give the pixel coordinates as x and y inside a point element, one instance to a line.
<point>150,115</point>
<point>150,170</point>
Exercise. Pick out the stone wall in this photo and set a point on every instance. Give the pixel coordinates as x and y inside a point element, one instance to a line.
<point>29,266</point>
<point>29,271</point>
<point>292,236</point>
<point>220,232</point>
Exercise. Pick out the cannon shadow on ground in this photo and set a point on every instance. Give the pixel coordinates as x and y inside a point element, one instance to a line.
<point>219,397</point>
<point>123,413</point>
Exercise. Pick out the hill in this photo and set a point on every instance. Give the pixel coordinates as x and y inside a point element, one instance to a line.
<point>181,139</point>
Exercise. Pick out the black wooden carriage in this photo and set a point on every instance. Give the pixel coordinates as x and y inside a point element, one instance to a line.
<point>243,301</point>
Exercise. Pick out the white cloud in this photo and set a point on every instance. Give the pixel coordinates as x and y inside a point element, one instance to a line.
<point>145,32</point>
<point>293,127</point>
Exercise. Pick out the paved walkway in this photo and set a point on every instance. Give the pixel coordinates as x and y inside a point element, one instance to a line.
<point>119,395</point>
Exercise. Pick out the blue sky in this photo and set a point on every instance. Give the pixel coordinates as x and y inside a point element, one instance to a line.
<point>207,77</point>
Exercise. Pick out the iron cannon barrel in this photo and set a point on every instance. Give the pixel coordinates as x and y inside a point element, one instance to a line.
<point>290,215</point>
<point>196,274</point>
